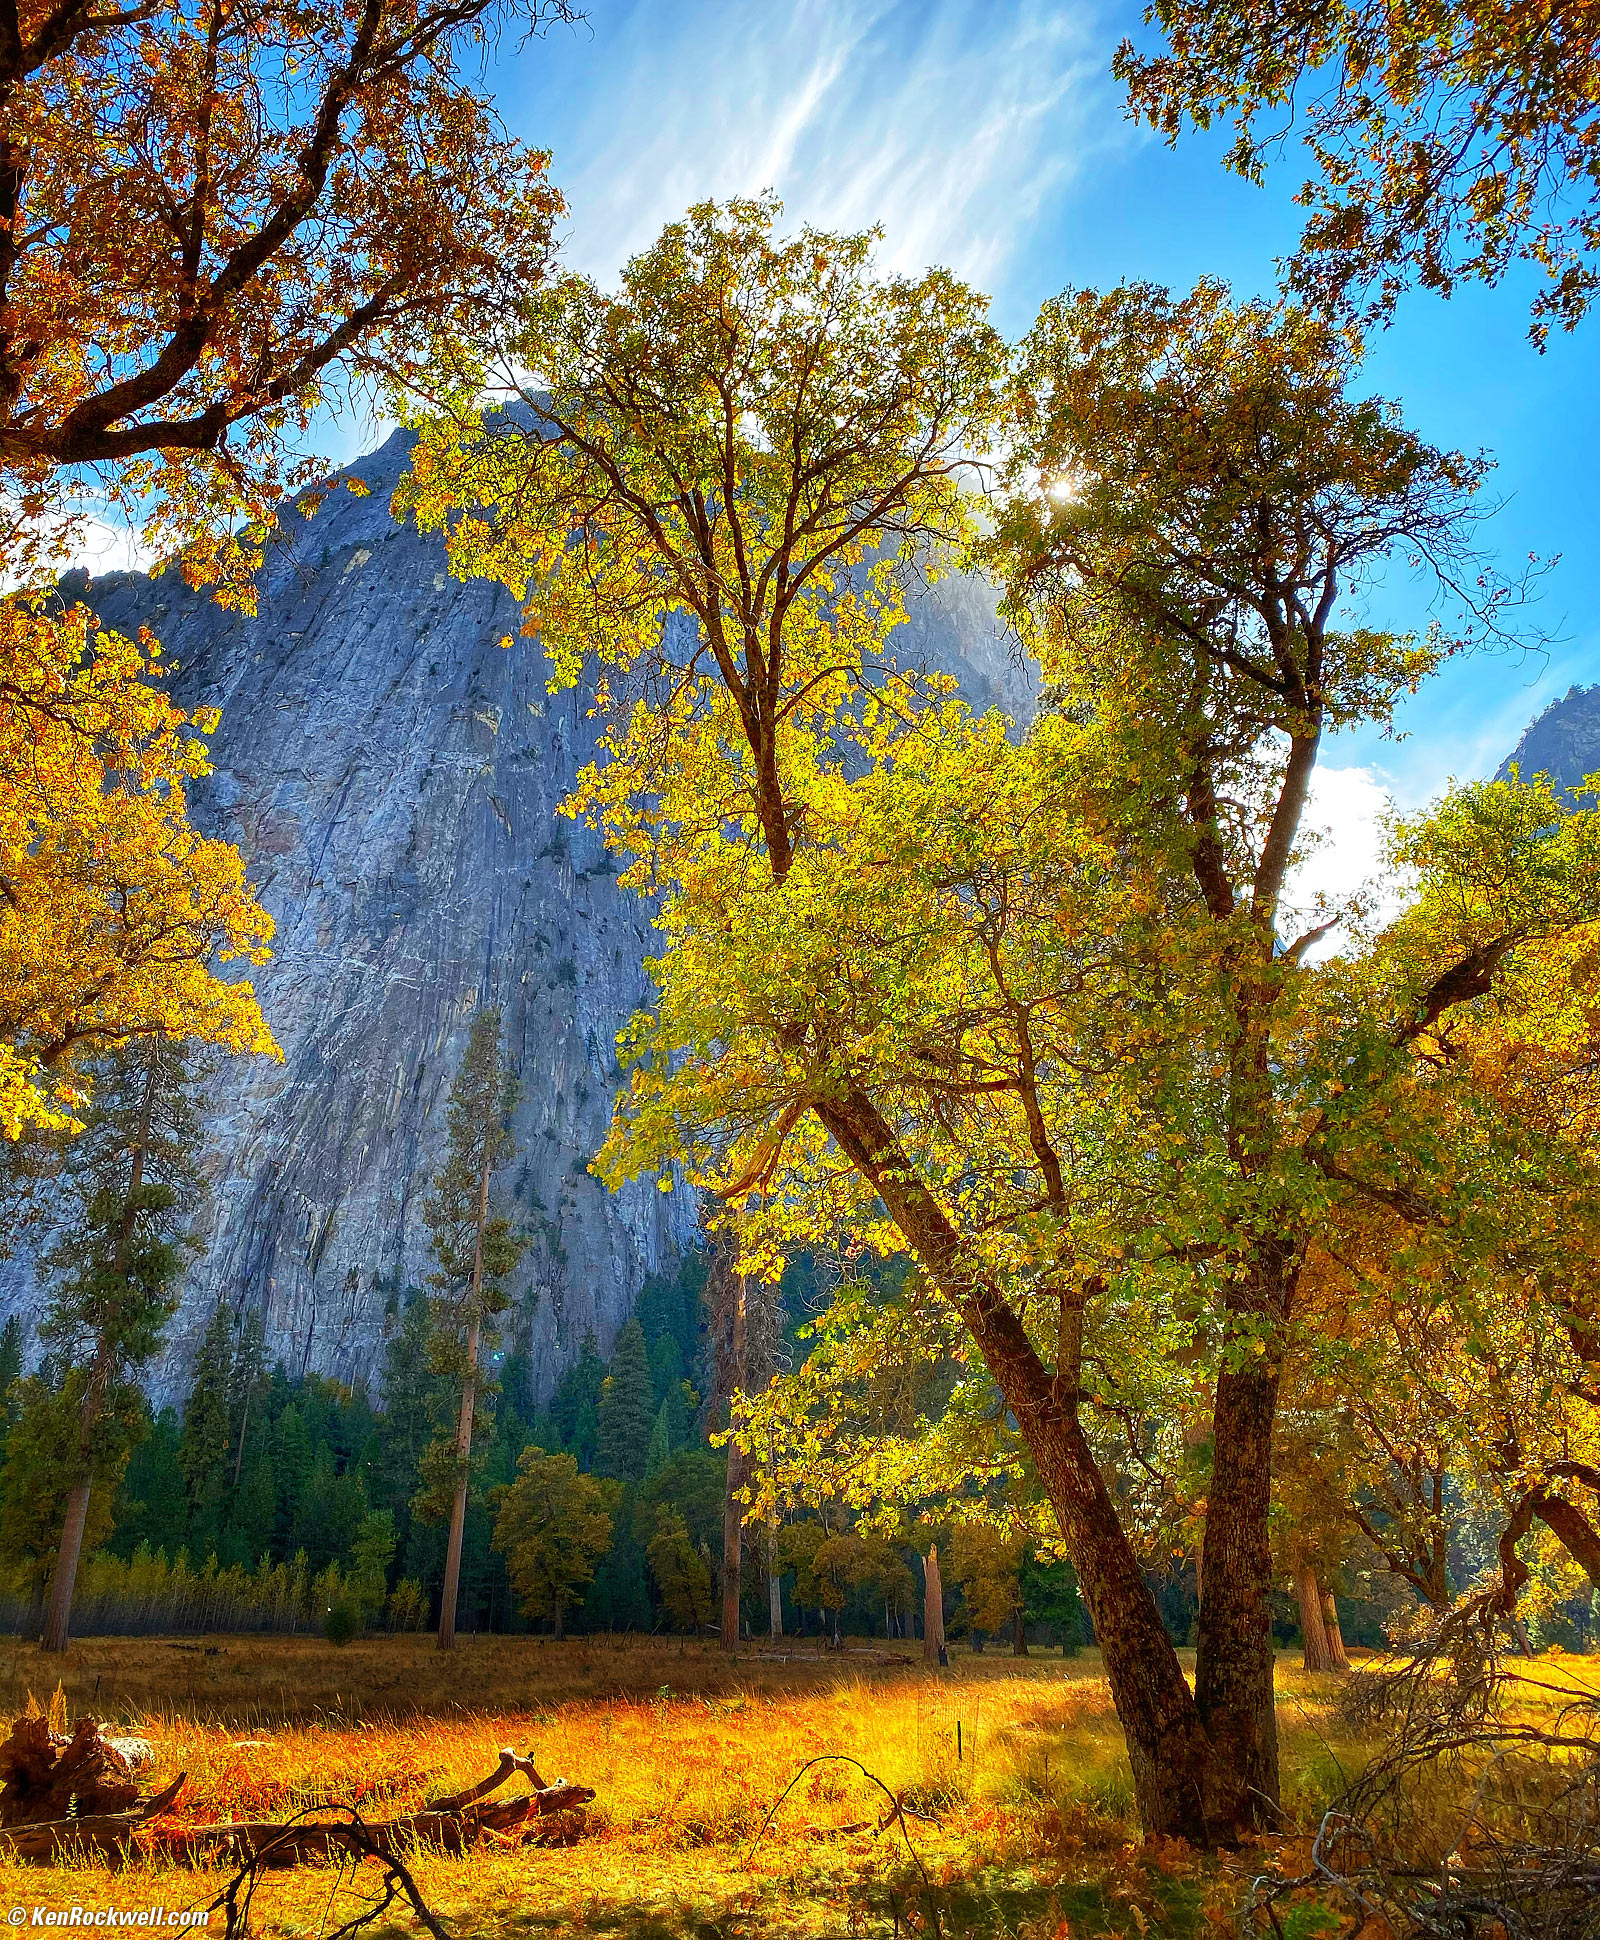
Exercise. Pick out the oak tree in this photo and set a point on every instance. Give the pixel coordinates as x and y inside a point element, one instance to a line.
<point>552,1528</point>
<point>1027,1012</point>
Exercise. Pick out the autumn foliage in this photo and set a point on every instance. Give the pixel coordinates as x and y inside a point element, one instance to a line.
<point>113,909</point>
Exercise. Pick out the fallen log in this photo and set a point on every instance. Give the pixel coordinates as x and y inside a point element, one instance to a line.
<point>274,1843</point>
<point>551,1814</point>
<point>100,1835</point>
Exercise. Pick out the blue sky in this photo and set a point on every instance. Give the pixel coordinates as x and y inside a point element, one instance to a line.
<point>990,136</point>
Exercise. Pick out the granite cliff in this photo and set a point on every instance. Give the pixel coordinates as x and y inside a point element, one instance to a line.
<point>392,776</point>
<point>1564,742</point>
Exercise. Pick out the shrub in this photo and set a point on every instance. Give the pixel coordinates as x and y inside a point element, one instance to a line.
<point>343,1621</point>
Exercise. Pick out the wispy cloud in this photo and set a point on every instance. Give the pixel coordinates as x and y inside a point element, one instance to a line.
<point>953,124</point>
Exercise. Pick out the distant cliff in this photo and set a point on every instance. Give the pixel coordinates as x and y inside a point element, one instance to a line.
<point>392,775</point>
<point>1564,742</point>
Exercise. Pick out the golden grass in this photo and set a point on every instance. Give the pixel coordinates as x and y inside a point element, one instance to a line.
<point>1030,1831</point>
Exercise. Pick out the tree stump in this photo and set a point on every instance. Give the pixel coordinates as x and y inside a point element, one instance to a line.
<point>45,1776</point>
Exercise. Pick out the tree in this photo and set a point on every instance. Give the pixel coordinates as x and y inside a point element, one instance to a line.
<point>204,1451</point>
<point>302,209</point>
<point>683,1576</point>
<point>1450,142</point>
<point>476,1250</point>
<point>367,1570</point>
<point>987,1563</point>
<point>152,1505</point>
<point>117,1267</point>
<point>415,1401</point>
<point>625,1422</point>
<point>1050,1595</point>
<point>1035,1014</point>
<point>10,1373</point>
<point>552,1530</point>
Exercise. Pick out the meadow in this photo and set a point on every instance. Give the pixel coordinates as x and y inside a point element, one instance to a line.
<point>1014,1768</point>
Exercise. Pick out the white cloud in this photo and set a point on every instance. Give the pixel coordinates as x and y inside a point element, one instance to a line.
<point>950,123</point>
<point>1344,857</point>
<point>103,548</point>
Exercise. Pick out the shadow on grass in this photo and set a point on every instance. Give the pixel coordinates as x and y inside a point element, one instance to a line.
<point>990,1905</point>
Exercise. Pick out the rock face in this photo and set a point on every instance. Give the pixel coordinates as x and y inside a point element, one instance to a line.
<point>1564,742</point>
<point>392,775</point>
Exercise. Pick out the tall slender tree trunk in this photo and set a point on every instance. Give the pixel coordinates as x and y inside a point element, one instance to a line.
<point>451,1593</point>
<point>732,1507</point>
<point>774,1586</point>
<point>1181,1788</point>
<point>58,1616</point>
<point>1019,1632</point>
<point>1316,1649</point>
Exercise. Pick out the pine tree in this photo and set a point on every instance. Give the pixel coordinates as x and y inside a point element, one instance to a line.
<point>660,1441</point>
<point>625,1419</point>
<point>245,1387</point>
<point>135,1186</point>
<point>10,1374</point>
<point>255,1508</point>
<point>291,1450</point>
<point>367,1572</point>
<point>416,1401</point>
<point>476,1251</point>
<point>579,1390</point>
<point>203,1453</point>
<point>152,1505</point>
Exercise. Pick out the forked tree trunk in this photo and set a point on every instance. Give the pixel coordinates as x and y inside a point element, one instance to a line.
<point>1019,1633</point>
<point>1204,1763</point>
<point>1317,1652</point>
<point>58,1617</point>
<point>1330,1624</point>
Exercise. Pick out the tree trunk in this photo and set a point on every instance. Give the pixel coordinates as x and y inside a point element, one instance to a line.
<point>1019,1633</point>
<point>1180,1789</point>
<point>1318,1652</point>
<point>732,1508</point>
<point>1234,1657</point>
<point>774,1587</point>
<point>1337,1656</point>
<point>58,1617</point>
<point>932,1611</point>
<point>469,1400</point>
<point>451,1593</point>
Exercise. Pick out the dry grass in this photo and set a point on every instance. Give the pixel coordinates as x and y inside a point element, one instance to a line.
<point>1030,1835</point>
